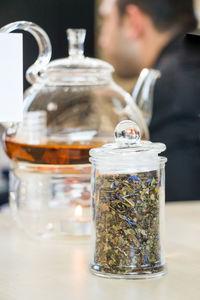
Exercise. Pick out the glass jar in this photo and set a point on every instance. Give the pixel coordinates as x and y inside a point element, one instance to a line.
<point>73,105</point>
<point>128,198</point>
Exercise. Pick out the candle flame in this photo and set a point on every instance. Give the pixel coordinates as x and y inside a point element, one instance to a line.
<point>78,211</point>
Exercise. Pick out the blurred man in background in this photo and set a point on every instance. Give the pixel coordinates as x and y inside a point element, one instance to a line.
<point>139,34</point>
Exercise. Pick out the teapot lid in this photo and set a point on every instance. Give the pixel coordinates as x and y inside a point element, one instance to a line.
<point>76,68</point>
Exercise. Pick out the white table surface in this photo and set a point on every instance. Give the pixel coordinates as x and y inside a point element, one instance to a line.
<point>57,271</point>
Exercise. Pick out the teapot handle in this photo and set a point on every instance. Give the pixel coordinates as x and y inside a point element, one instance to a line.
<point>44,46</point>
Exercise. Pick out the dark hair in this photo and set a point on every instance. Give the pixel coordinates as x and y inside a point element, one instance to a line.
<point>165,14</point>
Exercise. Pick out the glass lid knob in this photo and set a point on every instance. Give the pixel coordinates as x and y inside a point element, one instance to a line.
<point>127,134</point>
<point>76,39</point>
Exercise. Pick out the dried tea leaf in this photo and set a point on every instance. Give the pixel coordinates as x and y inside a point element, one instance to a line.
<point>127,226</point>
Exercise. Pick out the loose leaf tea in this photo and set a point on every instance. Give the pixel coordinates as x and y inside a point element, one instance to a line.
<point>127,223</point>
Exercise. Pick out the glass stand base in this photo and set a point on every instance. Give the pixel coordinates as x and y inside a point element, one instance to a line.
<point>146,274</point>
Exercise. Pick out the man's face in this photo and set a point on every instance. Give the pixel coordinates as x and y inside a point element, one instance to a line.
<point>118,48</point>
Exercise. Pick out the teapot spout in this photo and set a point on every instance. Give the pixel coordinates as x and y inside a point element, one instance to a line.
<point>144,91</point>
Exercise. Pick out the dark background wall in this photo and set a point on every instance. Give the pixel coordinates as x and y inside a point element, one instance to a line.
<point>54,16</point>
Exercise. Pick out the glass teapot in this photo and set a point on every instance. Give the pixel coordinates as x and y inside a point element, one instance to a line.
<point>73,105</point>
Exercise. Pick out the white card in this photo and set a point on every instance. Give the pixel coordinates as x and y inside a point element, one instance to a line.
<point>11,77</point>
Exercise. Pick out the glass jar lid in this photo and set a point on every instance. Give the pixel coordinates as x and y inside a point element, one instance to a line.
<point>128,153</point>
<point>127,143</point>
<point>76,68</point>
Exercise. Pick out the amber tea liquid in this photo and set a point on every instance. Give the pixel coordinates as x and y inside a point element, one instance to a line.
<point>50,152</point>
